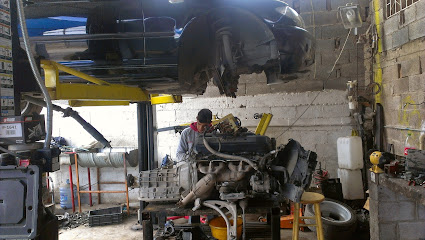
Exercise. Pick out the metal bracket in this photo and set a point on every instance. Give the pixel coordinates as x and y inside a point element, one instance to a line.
<point>231,214</point>
<point>264,123</point>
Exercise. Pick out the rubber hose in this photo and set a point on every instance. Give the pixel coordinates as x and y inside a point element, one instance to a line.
<point>228,156</point>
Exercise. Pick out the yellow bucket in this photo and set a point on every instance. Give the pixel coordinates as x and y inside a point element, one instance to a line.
<point>219,228</point>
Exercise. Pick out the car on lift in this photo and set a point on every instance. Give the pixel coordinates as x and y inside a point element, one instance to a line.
<point>172,46</point>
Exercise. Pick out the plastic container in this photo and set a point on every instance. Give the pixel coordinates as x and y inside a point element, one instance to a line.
<point>408,144</point>
<point>219,228</point>
<point>105,216</point>
<point>350,152</point>
<point>352,184</point>
<point>65,195</point>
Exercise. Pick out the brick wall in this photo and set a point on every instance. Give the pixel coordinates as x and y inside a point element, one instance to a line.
<point>393,215</point>
<point>403,77</point>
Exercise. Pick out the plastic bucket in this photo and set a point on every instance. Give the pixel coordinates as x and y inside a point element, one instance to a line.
<point>219,228</point>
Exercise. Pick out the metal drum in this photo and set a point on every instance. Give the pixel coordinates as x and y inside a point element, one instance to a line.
<point>111,159</point>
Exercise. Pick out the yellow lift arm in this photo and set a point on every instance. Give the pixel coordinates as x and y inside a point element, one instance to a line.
<point>99,92</point>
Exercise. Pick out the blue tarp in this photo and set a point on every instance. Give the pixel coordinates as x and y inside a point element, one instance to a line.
<point>36,27</point>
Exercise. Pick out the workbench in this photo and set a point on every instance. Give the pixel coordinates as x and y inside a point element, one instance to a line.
<point>162,210</point>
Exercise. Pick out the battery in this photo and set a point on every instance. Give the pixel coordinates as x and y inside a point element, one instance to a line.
<point>21,129</point>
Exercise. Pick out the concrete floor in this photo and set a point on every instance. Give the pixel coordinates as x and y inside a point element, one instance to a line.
<point>123,231</point>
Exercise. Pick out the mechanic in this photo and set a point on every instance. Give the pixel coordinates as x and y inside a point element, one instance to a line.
<point>190,134</point>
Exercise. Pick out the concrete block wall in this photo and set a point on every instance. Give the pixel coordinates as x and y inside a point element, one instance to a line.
<point>327,119</point>
<point>403,77</point>
<point>321,21</point>
<point>393,216</point>
<point>405,26</point>
<point>318,129</point>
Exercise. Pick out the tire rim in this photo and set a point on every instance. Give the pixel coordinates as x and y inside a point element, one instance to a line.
<point>334,212</point>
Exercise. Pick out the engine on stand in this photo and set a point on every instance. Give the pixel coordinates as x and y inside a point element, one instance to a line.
<point>228,167</point>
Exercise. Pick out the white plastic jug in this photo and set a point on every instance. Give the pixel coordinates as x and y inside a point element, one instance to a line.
<point>352,184</point>
<point>350,152</point>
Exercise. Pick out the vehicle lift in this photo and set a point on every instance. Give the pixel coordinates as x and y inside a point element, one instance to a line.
<point>28,219</point>
<point>25,163</point>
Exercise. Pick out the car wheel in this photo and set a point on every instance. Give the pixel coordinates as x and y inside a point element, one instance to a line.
<point>338,219</point>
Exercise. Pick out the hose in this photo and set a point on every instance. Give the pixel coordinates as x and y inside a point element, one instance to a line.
<point>36,73</point>
<point>69,112</point>
<point>228,156</point>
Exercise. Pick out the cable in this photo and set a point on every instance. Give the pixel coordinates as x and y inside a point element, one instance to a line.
<point>223,155</point>
<point>413,104</point>
<point>327,78</point>
<point>36,73</point>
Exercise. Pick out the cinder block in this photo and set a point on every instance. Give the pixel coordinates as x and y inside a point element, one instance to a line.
<point>400,37</point>
<point>318,5</point>
<point>328,121</point>
<point>374,226</point>
<point>315,31</point>
<point>332,96</point>
<point>338,3</point>
<point>386,195</point>
<point>401,86</point>
<point>350,70</point>
<point>387,231</point>
<point>333,31</point>
<point>310,85</point>
<point>288,87</point>
<point>389,73</point>
<point>308,18</point>
<point>416,29</point>
<point>336,83</point>
<point>397,211</point>
<point>416,83</point>
<point>328,58</point>
<point>421,211</point>
<point>325,45</point>
<point>411,230</point>
<point>257,88</point>
<point>283,112</point>
<point>420,9</point>
<point>387,42</point>
<point>409,14</point>
<point>253,78</point>
<point>326,18</point>
<point>336,110</point>
<point>410,67</point>
<point>391,25</point>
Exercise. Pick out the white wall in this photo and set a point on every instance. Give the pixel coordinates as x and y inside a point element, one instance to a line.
<point>318,129</point>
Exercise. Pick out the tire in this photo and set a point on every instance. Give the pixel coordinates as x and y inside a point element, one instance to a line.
<point>338,219</point>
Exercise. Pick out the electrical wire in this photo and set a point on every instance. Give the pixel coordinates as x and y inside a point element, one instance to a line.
<point>317,95</point>
<point>34,68</point>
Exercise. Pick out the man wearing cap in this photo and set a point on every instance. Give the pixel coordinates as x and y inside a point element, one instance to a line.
<point>190,134</point>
